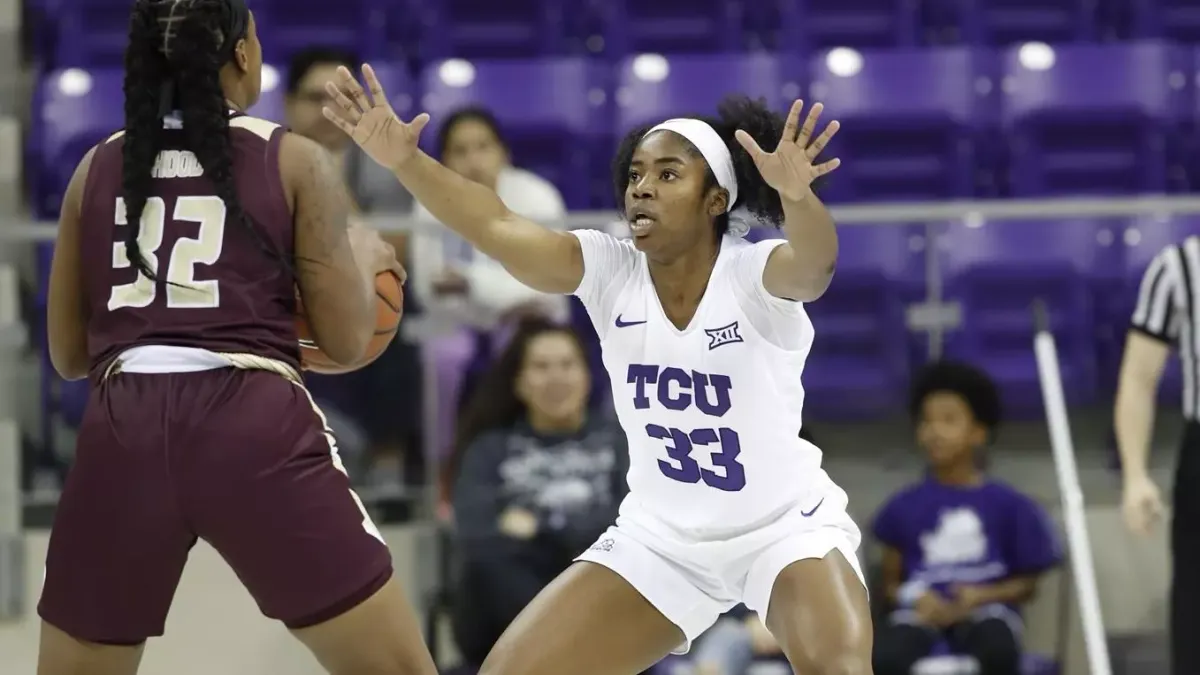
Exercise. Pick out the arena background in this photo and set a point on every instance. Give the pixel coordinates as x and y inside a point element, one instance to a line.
<point>214,626</point>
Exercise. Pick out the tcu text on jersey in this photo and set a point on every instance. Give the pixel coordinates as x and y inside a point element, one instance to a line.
<point>677,390</point>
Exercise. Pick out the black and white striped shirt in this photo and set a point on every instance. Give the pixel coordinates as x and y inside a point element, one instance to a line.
<point>1166,310</point>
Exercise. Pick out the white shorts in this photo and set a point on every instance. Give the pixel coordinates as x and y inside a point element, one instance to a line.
<point>694,582</point>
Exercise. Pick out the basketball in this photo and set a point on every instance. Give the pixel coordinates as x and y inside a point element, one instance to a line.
<point>389,303</point>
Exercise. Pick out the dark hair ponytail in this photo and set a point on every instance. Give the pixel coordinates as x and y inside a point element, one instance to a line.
<point>176,51</point>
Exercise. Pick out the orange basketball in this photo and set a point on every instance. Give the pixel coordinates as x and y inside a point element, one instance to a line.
<point>389,303</point>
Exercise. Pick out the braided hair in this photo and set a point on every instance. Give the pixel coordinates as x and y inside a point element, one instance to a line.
<point>173,64</point>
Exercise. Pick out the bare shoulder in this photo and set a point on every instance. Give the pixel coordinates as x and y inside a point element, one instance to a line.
<point>264,129</point>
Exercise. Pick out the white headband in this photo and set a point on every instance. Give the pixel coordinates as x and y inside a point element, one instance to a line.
<point>711,147</point>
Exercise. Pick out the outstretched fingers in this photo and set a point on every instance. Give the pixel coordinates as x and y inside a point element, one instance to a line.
<point>817,146</point>
<point>378,95</point>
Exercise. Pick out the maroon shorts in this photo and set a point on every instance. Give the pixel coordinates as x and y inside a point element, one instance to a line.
<point>239,458</point>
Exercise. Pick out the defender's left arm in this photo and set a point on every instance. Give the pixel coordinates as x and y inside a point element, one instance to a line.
<point>802,268</point>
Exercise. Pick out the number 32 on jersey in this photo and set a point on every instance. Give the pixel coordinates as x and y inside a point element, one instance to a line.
<point>678,390</point>
<point>183,291</point>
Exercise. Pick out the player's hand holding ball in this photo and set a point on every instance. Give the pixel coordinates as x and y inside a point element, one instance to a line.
<point>373,253</point>
<point>790,169</point>
<point>377,259</point>
<point>370,120</point>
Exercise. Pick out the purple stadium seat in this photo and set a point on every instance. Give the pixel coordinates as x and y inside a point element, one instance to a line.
<point>1176,20</point>
<point>87,32</point>
<point>73,109</point>
<point>911,120</point>
<point>859,364</point>
<point>804,26</point>
<point>649,91</point>
<point>394,77</point>
<point>551,111</point>
<point>995,271</point>
<point>1006,22</point>
<point>483,29</point>
<point>663,27</point>
<point>1092,118</point>
<point>358,26</point>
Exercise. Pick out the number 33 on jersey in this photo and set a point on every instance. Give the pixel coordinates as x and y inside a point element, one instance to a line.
<point>677,389</point>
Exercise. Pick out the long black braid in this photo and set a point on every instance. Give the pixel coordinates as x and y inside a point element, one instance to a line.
<point>145,68</point>
<point>176,51</point>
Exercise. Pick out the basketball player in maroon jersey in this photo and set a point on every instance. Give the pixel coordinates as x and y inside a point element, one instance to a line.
<point>180,245</point>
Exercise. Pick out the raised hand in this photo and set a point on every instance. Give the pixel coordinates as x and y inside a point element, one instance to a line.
<point>370,120</point>
<point>790,169</point>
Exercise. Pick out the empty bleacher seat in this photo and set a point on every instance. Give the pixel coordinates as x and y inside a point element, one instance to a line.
<point>1092,118</point>
<point>1177,20</point>
<point>358,26</point>
<point>809,25</point>
<point>485,29</point>
<point>912,120</point>
<point>995,271</point>
<point>551,111</point>
<point>73,109</point>
<point>859,361</point>
<point>652,88</point>
<point>625,27</point>
<point>1007,22</point>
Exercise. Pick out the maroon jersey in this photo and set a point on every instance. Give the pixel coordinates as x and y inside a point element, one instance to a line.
<point>219,288</point>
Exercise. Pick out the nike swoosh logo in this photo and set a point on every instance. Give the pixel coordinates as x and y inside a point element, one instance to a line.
<point>626,324</point>
<point>806,514</point>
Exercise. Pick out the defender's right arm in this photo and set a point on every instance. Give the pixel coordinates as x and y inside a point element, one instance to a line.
<point>546,260</point>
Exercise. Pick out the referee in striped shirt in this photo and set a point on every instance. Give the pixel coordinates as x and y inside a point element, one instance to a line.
<point>1166,316</point>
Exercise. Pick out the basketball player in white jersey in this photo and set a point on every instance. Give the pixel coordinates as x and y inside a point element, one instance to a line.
<point>704,337</point>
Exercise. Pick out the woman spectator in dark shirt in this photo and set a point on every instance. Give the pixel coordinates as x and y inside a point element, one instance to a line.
<point>538,480</point>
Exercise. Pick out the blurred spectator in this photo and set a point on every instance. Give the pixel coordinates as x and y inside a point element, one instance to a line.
<point>962,552</point>
<point>383,398</point>
<point>461,286</point>
<point>373,187</point>
<point>539,479</point>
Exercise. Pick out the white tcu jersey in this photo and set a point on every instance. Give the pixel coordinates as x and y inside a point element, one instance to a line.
<point>712,412</point>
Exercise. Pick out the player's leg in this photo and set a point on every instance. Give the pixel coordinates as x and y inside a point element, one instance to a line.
<point>61,654</point>
<point>119,542</point>
<point>268,491</point>
<point>588,621</point>
<point>811,591</point>
<point>819,614</point>
<point>617,611</point>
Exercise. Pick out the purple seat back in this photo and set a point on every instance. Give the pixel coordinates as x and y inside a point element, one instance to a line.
<point>942,86</point>
<point>694,85</point>
<point>73,110</point>
<point>666,26</point>
<point>483,29</point>
<point>1002,22</point>
<point>1092,119</point>
<point>1131,80</point>
<point>807,25</point>
<point>551,112</point>
<point>911,119</point>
